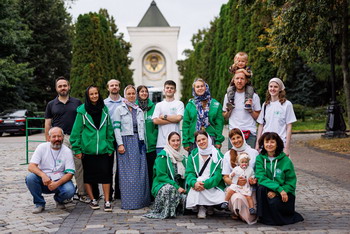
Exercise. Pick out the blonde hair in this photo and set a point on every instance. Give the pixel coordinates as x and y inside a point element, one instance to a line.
<point>241,54</point>
<point>243,156</point>
<point>198,79</point>
<point>112,80</point>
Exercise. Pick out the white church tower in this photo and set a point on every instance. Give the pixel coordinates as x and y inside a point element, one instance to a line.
<point>154,50</point>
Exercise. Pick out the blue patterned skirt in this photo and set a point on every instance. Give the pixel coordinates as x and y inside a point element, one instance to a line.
<point>133,175</point>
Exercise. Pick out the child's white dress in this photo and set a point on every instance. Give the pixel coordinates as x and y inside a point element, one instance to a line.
<point>246,173</point>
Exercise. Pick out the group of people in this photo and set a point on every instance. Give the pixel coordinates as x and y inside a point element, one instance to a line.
<point>157,160</point>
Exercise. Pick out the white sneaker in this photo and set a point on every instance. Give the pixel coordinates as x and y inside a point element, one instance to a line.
<point>202,212</point>
<point>38,209</point>
<point>85,199</point>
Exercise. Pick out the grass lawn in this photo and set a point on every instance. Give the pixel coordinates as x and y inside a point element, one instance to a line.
<point>310,125</point>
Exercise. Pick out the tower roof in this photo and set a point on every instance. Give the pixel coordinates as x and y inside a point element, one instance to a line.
<point>153,18</point>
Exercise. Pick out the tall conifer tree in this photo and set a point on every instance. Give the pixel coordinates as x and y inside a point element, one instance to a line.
<point>98,54</point>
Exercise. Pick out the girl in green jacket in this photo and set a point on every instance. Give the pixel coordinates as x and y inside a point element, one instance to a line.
<point>169,180</point>
<point>277,183</point>
<point>204,177</point>
<point>151,129</point>
<point>92,140</point>
<point>202,113</point>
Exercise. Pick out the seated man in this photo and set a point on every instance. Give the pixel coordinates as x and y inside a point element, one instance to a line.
<point>52,168</point>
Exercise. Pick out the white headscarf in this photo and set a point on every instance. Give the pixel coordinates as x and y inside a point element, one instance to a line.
<point>244,145</point>
<point>279,82</point>
<point>176,156</point>
<point>209,150</point>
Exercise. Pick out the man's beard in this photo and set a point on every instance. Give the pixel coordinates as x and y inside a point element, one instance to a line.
<point>63,93</point>
<point>56,145</point>
<point>115,93</point>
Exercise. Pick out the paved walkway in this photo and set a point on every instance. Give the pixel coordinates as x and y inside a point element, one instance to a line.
<point>323,198</point>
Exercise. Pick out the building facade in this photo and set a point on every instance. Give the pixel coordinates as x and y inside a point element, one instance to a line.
<point>154,50</point>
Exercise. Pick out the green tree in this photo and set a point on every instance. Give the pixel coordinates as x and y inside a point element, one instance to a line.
<point>308,27</point>
<point>14,74</point>
<point>50,46</point>
<point>239,27</point>
<point>98,54</point>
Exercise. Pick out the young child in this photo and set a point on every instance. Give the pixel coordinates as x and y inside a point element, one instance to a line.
<point>242,170</point>
<point>240,65</point>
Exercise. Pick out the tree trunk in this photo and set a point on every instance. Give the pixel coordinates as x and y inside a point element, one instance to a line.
<point>345,57</point>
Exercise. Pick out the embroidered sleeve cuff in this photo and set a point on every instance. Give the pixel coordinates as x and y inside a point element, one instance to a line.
<point>71,171</point>
<point>116,124</point>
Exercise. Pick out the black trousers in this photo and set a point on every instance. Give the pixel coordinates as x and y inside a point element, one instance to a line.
<point>151,157</point>
<point>274,211</point>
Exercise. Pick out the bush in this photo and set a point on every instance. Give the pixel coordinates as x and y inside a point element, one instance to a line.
<point>303,112</point>
<point>299,111</point>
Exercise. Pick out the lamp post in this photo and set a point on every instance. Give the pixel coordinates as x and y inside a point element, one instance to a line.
<point>335,126</point>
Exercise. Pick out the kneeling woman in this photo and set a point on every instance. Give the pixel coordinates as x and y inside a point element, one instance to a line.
<point>169,180</point>
<point>203,175</point>
<point>277,183</point>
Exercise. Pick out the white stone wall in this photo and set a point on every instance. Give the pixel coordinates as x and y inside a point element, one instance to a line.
<point>162,39</point>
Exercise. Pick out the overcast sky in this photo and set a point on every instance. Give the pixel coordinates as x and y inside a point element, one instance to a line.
<point>190,15</point>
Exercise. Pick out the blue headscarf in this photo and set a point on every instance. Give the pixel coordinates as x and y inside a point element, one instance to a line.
<point>202,113</point>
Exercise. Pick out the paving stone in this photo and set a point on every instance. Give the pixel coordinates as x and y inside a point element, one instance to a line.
<point>322,201</point>
<point>127,232</point>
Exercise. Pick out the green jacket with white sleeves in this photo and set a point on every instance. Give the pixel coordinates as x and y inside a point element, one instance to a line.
<point>87,139</point>
<point>216,122</point>
<point>164,173</point>
<point>192,171</point>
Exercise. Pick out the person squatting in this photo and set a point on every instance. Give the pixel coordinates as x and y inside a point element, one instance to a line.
<point>178,171</point>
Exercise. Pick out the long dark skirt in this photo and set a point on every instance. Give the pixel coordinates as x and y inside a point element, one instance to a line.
<point>97,169</point>
<point>151,157</point>
<point>274,211</point>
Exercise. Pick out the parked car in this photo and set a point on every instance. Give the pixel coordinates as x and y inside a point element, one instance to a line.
<point>14,121</point>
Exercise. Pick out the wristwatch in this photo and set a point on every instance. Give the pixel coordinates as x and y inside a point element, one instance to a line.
<point>165,117</point>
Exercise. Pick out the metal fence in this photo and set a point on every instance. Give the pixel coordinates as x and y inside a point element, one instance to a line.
<point>28,129</point>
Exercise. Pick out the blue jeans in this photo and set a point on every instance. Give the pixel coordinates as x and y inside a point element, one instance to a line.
<point>37,188</point>
<point>158,150</point>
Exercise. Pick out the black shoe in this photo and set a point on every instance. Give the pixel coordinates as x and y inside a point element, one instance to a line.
<point>247,107</point>
<point>252,211</point>
<point>224,206</point>
<point>94,205</point>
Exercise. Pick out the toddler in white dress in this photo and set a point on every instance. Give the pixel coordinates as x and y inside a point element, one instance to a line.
<point>242,170</point>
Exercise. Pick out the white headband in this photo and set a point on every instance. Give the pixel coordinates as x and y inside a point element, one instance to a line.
<point>278,81</point>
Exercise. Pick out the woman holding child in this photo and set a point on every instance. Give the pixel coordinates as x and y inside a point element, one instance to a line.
<point>203,175</point>
<point>202,113</point>
<point>238,203</point>
<point>169,187</point>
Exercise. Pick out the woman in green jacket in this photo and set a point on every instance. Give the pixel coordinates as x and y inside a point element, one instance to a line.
<point>151,129</point>
<point>277,183</point>
<point>203,176</point>
<point>202,113</point>
<point>92,141</point>
<point>169,180</point>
